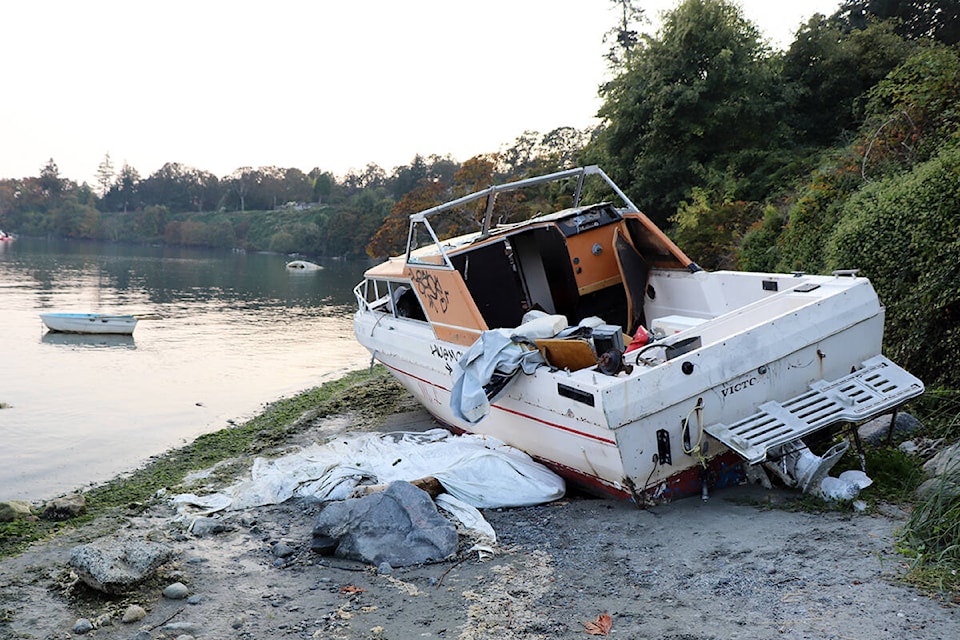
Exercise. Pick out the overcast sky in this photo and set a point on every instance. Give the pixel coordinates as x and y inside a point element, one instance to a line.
<point>219,85</point>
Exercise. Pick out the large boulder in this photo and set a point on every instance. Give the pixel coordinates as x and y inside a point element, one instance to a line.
<point>876,432</point>
<point>400,526</point>
<point>115,565</point>
<point>943,474</point>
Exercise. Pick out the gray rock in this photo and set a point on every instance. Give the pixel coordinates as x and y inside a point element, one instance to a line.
<point>943,474</point>
<point>282,550</point>
<point>909,447</point>
<point>400,526</point>
<point>133,613</point>
<point>15,510</point>
<point>181,628</point>
<point>114,565</point>
<point>82,626</point>
<point>203,526</point>
<point>65,507</point>
<point>176,591</point>
<point>945,463</point>
<point>876,431</point>
<point>946,488</point>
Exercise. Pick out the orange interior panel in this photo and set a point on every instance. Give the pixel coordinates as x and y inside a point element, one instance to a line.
<point>447,303</point>
<point>592,259</point>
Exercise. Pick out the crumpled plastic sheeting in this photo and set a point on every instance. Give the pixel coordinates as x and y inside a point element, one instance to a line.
<point>846,487</point>
<point>480,471</point>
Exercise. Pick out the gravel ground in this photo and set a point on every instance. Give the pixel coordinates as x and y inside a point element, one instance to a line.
<point>734,566</point>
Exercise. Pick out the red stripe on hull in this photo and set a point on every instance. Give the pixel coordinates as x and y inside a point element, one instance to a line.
<point>516,413</point>
<point>721,471</point>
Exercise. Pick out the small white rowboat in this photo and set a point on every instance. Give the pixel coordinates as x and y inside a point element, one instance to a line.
<point>90,323</point>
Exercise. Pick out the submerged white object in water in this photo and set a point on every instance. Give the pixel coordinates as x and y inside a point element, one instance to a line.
<point>302,265</point>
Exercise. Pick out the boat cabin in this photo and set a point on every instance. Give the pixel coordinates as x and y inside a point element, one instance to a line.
<point>590,261</point>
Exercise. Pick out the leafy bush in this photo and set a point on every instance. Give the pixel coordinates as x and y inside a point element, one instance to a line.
<point>759,250</point>
<point>815,213</point>
<point>902,233</point>
<point>710,232</point>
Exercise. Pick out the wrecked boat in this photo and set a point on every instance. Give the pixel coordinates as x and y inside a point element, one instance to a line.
<point>586,338</point>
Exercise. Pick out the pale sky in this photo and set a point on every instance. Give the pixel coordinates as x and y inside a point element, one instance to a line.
<point>222,84</point>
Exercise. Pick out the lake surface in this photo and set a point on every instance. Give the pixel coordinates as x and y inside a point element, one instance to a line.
<point>237,330</point>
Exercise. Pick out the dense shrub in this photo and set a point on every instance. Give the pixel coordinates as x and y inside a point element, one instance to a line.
<point>902,232</point>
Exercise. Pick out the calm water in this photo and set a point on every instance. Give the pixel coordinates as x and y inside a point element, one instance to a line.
<point>238,330</point>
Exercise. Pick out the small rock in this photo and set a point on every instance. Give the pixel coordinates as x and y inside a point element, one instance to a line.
<point>82,626</point>
<point>909,447</point>
<point>142,635</point>
<point>65,507</point>
<point>384,568</point>
<point>282,550</point>
<point>203,526</point>
<point>15,510</point>
<point>181,628</point>
<point>195,599</point>
<point>133,613</point>
<point>176,591</point>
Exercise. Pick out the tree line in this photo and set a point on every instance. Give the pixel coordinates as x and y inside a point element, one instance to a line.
<point>841,152</point>
<point>263,208</point>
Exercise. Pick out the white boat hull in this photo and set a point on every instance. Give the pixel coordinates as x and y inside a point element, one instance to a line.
<point>90,323</point>
<point>741,367</point>
<point>607,432</point>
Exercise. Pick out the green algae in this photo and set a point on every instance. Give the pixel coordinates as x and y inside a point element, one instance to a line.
<point>370,395</point>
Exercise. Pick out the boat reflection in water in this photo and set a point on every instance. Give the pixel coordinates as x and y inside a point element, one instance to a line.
<point>89,340</point>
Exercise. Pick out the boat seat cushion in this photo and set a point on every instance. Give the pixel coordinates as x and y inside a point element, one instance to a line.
<point>572,354</point>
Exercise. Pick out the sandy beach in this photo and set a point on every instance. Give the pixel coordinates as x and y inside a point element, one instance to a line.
<point>738,565</point>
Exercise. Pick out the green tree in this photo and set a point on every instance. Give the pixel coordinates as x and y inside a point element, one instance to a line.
<point>50,182</point>
<point>624,38</point>
<point>913,19</point>
<point>105,175</point>
<point>711,232</point>
<point>699,102</point>
<point>322,183</point>
<point>913,112</point>
<point>72,219</point>
<point>150,222</point>
<point>124,193</point>
<point>826,70</point>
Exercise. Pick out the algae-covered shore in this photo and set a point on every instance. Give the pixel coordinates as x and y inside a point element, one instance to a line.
<point>729,567</point>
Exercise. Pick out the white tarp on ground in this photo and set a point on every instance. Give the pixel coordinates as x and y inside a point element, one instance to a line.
<point>479,471</point>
